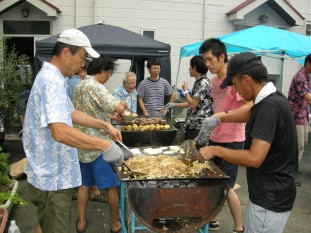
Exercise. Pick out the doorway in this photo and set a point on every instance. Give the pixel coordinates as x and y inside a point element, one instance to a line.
<point>22,45</point>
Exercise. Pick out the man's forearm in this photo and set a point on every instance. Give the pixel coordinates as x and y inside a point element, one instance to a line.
<point>75,138</point>
<point>239,115</point>
<point>80,118</point>
<point>142,106</point>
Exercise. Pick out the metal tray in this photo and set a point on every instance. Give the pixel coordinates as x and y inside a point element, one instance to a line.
<point>148,138</point>
<point>214,177</point>
<point>123,122</point>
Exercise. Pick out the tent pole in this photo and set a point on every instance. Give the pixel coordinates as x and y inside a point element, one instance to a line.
<point>281,73</point>
<point>178,72</point>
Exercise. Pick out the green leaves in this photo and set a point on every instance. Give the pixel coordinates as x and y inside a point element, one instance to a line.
<point>4,168</point>
<point>15,77</point>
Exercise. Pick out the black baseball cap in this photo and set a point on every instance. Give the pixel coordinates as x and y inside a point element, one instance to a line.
<point>238,64</point>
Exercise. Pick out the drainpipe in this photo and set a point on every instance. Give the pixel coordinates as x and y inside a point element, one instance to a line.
<point>77,14</point>
<point>95,7</point>
<point>204,19</point>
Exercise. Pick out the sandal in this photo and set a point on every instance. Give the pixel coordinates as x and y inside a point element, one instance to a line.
<point>100,198</point>
<point>116,231</point>
<point>77,229</point>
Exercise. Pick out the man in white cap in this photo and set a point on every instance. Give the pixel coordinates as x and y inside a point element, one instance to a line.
<point>49,139</point>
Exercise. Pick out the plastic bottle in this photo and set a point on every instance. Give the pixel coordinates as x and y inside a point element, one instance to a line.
<point>13,228</point>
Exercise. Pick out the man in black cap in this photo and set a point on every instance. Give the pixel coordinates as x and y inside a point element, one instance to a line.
<point>271,151</point>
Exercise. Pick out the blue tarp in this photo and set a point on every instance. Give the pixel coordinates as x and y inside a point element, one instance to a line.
<point>262,39</point>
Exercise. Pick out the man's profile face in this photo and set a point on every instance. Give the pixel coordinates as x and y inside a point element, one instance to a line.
<point>75,62</point>
<point>241,86</point>
<point>130,84</point>
<point>154,71</point>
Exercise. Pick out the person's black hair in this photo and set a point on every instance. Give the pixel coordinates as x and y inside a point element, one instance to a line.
<point>59,46</point>
<point>198,63</point>
<point>308,59</point>
<point>97,65</point>
<point>258,73</point>
<point>153,62</point>
<point>216,46</point>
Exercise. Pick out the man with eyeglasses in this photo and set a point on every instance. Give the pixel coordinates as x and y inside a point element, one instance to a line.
<point>94,99</point>
<point>50,140</point>
<point>151,91</point>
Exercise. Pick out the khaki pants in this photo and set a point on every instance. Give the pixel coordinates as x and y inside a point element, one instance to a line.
<point>53,209</point>
<point>302,135</point>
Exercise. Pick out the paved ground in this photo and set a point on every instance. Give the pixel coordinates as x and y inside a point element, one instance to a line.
<point>98,217</point>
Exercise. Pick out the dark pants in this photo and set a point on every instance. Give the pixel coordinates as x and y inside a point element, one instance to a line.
<point>229,168</point>
<point>53,209</point>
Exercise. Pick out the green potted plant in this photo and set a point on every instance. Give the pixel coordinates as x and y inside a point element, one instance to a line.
<point>8,187</point>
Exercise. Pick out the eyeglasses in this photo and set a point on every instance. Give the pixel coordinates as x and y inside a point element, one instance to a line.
<point>89,59</point>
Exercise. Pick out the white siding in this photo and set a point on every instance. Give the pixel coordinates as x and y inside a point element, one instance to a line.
<point>177,22</point>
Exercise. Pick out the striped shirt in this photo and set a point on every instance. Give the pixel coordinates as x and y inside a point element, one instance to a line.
<point>153,93</point>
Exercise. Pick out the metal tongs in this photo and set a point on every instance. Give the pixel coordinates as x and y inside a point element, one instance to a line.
<point>125,147</point>
<point>133,174</point>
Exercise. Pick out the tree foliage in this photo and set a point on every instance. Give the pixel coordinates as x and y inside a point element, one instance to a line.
<point>15,77</point>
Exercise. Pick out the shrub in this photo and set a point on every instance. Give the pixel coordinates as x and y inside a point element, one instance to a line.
<point>15,77</point>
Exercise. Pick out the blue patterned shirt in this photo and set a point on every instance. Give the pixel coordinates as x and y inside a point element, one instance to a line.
<point>73,81</point>
<point>130,98</point>
<point>51,165</point>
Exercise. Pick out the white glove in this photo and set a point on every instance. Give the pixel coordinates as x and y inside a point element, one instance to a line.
<point>207,125</point>
<point>114,154</point>
<point>170,105</point>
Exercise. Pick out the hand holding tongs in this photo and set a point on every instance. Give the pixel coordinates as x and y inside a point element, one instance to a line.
<point>134,174</point>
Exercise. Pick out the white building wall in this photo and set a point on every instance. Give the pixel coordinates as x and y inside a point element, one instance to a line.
<point>177,22</point>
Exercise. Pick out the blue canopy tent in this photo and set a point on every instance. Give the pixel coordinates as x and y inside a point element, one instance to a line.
<point>262,40</point>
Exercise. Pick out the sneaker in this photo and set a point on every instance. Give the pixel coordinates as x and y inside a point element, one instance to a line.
<point>235,231</point>
<point>213,225</point>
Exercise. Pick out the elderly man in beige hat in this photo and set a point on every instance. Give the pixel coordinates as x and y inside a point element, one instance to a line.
<point>49,139</point>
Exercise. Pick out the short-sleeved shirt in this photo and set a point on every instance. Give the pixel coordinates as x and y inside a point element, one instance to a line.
<point>226,99</point>
<point>299,87</point>
<point>271,185</point>
<point>94,99</point>
<point>153,93</point>
<point>51,164</point>
<point>201,90</point>
<point>72,82</point>
<point>130,98</point>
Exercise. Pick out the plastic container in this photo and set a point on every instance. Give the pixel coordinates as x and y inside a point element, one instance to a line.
<point>13,228</point>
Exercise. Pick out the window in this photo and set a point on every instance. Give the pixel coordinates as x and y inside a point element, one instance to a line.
<point>151,33</point>
<point>26,27</point>
<point>308,29</point>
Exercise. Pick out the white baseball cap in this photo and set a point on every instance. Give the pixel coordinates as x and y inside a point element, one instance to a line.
<point>76,37</point>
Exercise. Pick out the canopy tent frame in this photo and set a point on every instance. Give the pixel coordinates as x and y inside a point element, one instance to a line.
<point>285,45</point>
<point>118,43</point>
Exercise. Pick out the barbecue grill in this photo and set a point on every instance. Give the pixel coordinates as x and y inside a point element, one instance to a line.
<point>181,205</point>
<point>148,138</point>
